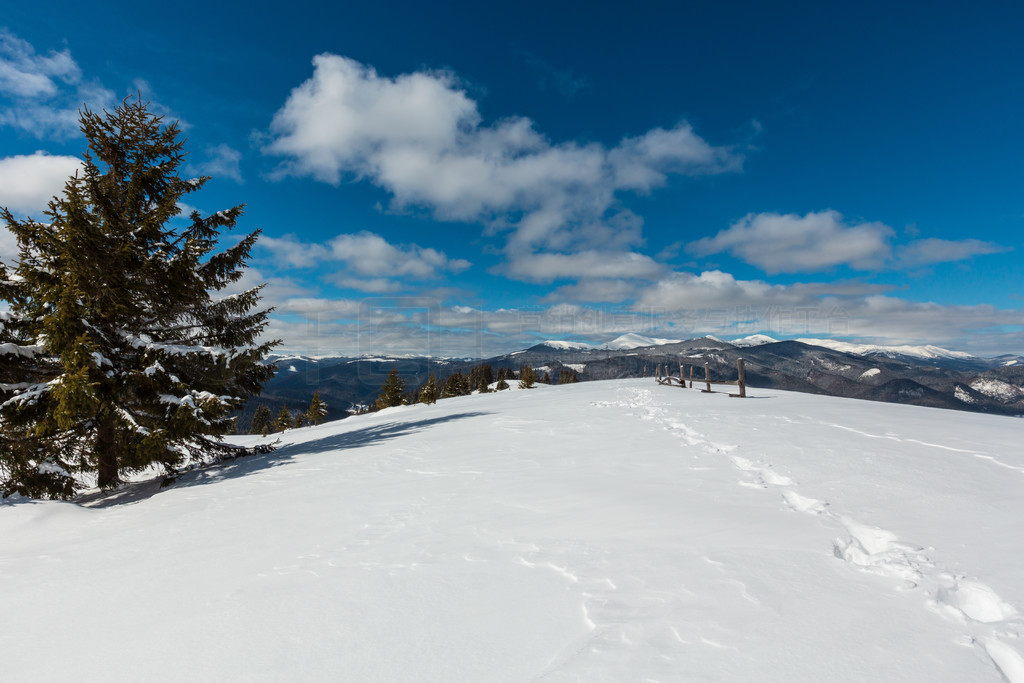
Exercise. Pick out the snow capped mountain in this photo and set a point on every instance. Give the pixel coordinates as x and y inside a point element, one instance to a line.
<point>635,341</point>
<point>753,340</point>
<point>282,359</point>
<point>621,343</point>
<point>923,352</point>
<point>660,534</point>
<point>566,345</point>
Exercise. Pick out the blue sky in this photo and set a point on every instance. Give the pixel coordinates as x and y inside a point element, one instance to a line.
<point>469,180</point>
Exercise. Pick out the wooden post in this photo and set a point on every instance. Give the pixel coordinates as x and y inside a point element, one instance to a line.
<point>707,376</point>
<point>742,379</point>
<point>682,380</point>
<point>691,377</point>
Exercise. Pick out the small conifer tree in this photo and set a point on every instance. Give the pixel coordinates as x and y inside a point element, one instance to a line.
<point>262,421</point>
<point>317,410</point>
<point>393,391</point>
<point>527,377</point>
<point>453,385</point>
<point>283,420</point>
<point>502,385</point>
<point>429,392</point>
<point>480,374</point>
<point>568,376</point>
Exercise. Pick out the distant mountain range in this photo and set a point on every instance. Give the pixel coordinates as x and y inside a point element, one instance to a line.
<point>918,375</point>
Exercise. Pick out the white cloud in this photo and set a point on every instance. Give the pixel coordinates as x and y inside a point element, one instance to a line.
<point>421,138</point>
<point>931,250</point>
<point>368,254</point>
<point>716,289</point>
<point>29,181</point>
<point>23,73</point>
<point>595,290</point>
<point>371,263</point>
<point>890,320</point>
<point>789,243</point>
<point>371,285</point>
<point>44,92</point>
<point>292,252</point>
<point>314,306</point>
<point>222,161</point>
<point>276,290</point>
<point>546,266</point>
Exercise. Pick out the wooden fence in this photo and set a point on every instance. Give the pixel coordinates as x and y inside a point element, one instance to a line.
<point>662,374</point>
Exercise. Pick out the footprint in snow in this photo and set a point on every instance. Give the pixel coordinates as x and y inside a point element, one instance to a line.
<point>799,503</point>
<point>879,551</point>
<point>976,601</point>
<point>766,475</point>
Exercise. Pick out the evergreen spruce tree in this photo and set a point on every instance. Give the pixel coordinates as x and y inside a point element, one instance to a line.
<point>568,376</point>
<point>262,421</point>
<point>527,377</point>
<point>483,387</point>
<point>391,394</point>
<point>317,410</point>
<point>283,420</point>
<point>429,392</point>
<point>464,388</point>
<point>453,385</point>
<point>480,374</point>
<point>502,385</point>
<point>125,355</point>
<point>300,420</point>
<point>545,378</point>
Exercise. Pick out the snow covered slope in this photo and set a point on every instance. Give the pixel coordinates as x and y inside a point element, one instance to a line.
<point>603,531</point>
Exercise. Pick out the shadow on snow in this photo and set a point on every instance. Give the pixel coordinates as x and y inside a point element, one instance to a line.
<point>246,465</point>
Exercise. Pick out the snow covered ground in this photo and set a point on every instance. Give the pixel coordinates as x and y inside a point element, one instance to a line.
<point>603,531</point>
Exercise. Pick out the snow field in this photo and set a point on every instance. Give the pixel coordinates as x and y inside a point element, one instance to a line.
<point>602,531</point>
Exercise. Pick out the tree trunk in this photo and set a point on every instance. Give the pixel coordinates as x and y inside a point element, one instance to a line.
<point>105,454</point>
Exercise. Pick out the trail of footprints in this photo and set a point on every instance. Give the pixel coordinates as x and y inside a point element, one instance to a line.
<point>989,620</point>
